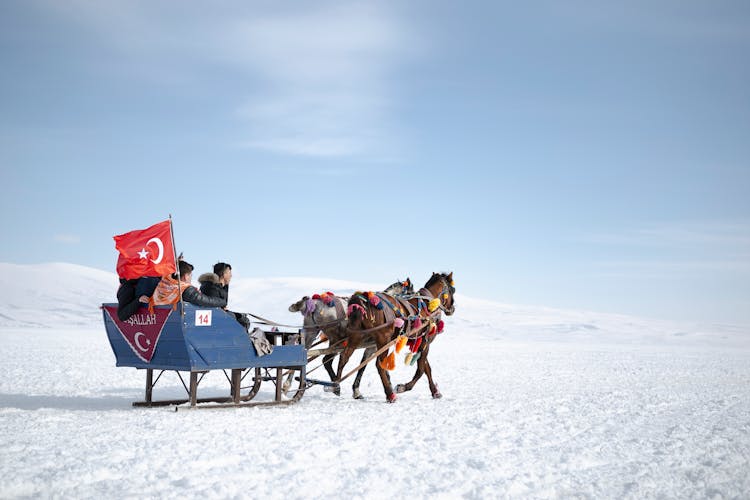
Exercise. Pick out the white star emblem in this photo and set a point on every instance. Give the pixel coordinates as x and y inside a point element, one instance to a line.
<point>143,253</point>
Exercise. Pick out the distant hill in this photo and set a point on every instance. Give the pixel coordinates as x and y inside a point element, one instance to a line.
<point>59,295</point>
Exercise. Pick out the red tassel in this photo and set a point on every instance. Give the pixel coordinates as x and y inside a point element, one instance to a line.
<point>441,326</point>
<point>417,343</point>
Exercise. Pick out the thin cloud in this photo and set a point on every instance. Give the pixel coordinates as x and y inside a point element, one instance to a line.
<point>678,248</point>
<point>68,239</point>
<point>715,234</point>
<point>325,75</point>
<point>318,75</point>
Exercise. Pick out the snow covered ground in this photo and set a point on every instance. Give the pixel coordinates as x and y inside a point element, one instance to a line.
<point>538,403</point>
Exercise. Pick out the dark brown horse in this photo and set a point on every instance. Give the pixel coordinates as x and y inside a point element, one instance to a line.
<point>382,318</point>
<point>327,314</point>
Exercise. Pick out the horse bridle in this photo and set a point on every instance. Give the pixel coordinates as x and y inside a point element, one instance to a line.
<point>447,287</point>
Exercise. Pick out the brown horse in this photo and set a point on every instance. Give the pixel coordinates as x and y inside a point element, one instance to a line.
<point>376,317</point>
<point>327,314</point>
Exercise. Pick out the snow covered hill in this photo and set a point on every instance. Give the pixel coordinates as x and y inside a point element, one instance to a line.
<point>61,295</point>
<point>538,403</point>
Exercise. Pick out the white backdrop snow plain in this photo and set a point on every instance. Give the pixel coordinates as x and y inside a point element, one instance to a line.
<point>538,403</point>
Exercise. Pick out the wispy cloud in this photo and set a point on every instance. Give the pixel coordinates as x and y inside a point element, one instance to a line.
<point>324,80</point>
<point>318,76</point>
<point>68,239</point>
<point>682,247</point>
<point>704,233</point>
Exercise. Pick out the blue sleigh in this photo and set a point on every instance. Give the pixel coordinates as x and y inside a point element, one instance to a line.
<point>197,340</point>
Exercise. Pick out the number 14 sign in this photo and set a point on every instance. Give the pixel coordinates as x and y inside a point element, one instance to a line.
<point>203,318</point>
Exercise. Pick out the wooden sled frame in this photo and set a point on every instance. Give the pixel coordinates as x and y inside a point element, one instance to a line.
<point>283,379</point>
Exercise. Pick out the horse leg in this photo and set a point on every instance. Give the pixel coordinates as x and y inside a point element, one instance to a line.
<point>343,359</point>
<point>433,386</point>
<point>355,388</point>
<point>328,364</point>
<point>390,396</point>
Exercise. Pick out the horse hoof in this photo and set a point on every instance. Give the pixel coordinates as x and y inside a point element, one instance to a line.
<point>357,395</point>
<point>400,388</point>
<point>335,388</point>
<point>436,395</point>
<point>391,398</point>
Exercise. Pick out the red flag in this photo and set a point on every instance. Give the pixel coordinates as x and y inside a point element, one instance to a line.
<point>146,252</point>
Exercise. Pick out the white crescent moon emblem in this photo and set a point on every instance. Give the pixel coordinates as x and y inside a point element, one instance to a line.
<point>138,342</point>
<point>161,249</point>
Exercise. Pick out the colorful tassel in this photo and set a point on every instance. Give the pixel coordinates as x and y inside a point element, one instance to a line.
<point>407,359</point>
<point>398,322</point>
<point>414,358</point>
<point>309,307</point>
<point>388,362</point>
<point>327,299</point>
<point>374,300</point>
<point>416,344</point>
<point>400,343</point>
<point>440,326</point>
<point>417,324</point>
<point>355,307</point>
<point>434,304</point>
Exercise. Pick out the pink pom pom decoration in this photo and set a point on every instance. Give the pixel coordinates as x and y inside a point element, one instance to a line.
<point>355,307</point>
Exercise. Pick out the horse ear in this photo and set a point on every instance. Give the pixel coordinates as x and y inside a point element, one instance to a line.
<point>296,306</point>
<point>450,276</point>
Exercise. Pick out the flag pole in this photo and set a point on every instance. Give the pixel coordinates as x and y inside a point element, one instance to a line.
<point>177,266</point>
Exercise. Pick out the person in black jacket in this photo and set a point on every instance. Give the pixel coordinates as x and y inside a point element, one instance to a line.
<point>133,294</point>
<point>216,284</point>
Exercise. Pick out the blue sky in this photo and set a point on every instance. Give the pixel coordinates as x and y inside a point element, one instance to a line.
<point>589,155</point>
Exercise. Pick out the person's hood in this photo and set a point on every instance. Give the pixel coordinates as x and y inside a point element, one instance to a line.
<point>209,278</point>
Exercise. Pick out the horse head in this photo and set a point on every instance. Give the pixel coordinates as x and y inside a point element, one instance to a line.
<point>442,287</point>
<point>302,306</point>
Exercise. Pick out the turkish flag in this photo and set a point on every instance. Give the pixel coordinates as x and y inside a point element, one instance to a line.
<point>146,252</point>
